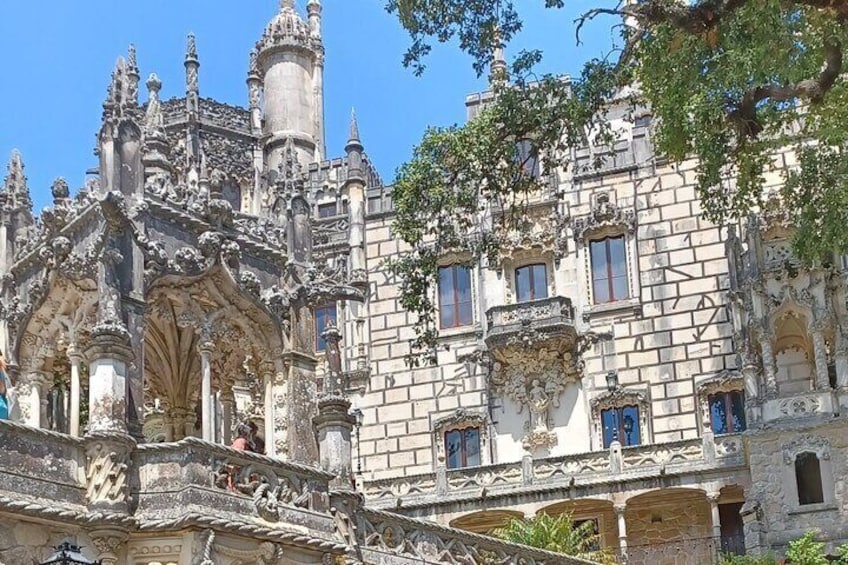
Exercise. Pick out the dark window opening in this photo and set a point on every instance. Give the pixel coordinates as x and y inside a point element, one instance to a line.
<point>727,412</point>
<point>808,478</point>
<point>455,305</point>
<point>327,210</point>
<point>609,269</point>
<point>594,529</point>
<point>323,316</point>
<point>531,282</point>
<point>621,423</point>
<point>831,375</point>
<point>462,448</point>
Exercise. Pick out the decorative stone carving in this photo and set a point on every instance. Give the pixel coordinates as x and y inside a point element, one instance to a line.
<point>800,406</point>
<point>539,232</point>
<point>605,214</point>
<point>106,472</point>
<point>269,491</point>
<point>806,443</point>
<point>108,544</point>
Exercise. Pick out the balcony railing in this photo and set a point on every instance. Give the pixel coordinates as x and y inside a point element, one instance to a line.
<point>689,551</point>
<point>529,320</point>
<point>579,470</point>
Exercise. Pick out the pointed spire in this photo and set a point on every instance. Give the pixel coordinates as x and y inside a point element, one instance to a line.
<point>153,117</point>
<point>353,136</point>
<point>192,64</point>
<point>15,184</point>
<point>133,76</point>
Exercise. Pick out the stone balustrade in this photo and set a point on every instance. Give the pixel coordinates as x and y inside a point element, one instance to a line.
<point>821,403</point>
<point>514,323</point>
<point>43,464</point>
<point>579,470</point>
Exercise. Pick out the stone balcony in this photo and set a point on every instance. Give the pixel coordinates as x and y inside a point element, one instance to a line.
<point>587,473</point>
<point>528,322</point>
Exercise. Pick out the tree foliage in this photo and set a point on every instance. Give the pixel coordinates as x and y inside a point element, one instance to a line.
<point>730,83</point>
<point>556,533</point>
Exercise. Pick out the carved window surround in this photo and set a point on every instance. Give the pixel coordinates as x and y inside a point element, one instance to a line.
<point>725,381</point>
<point>820,446</point>
<point>608,219</point>
<point>461,419</point>
<point>616,399</point>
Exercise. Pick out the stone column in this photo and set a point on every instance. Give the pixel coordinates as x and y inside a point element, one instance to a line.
<point>712,498</point>
<point>205,349</point>
<point>622,530</point>
<point>822,382</point>
<point>768,365</point>
<point>227,402</point>
<point>109,355</point>
<point>841,359</point>
<point>752,392</point>
<point>334,421</point>
<point>267,371</point>
<point>75,357</point>
<point>35,413</point>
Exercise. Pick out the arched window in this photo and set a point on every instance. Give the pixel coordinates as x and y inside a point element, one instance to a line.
<point>808,478</point>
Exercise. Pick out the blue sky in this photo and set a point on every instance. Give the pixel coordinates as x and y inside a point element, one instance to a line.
<point>56,57</point>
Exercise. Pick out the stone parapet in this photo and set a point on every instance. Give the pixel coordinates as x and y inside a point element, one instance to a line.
<point>591,471</point>
<point>548,316</point>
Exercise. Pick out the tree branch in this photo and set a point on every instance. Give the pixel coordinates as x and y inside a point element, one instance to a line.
<point>812,89</point>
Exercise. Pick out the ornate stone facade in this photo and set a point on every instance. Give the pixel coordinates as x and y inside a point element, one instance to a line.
<point>173,299</point>
<point>681,385</point>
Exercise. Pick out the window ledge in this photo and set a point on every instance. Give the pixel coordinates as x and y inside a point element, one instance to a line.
<point>813,508</point>
<point>460,332</point>
<point>619,306</point>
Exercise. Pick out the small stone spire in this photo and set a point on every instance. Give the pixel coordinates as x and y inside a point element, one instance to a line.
<point>192,65</point>
<point>153,117</point>
<point>353,136</point>
<point>313,13</point>
<point>133,76</point>
<point>354,149</point>
<point>287,5</point>
<point>15,184</point>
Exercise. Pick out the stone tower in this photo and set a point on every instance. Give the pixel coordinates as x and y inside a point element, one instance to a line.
<point>289,61</point>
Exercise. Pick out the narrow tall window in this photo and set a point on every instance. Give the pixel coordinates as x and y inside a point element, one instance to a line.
<point>528,157</point>
<point>727,412</point>
<point>462,448</point>
<point>609,269</point>
<point>327,210</point>
<point>323,316</point>
<point>531,282</point>
<point>808,478</point>
<point>455,308</point>
<point>621,423</point>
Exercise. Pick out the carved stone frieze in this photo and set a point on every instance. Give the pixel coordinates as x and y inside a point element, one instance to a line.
<point>604,214</point>
<point>806,443</point>
<point>539,232</point>
<point>269,491</point>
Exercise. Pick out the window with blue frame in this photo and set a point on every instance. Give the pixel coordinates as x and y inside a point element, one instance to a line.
<point>462,448</point>
<point>727,412</point>
<point>323,316</point>
<point>621,423</point>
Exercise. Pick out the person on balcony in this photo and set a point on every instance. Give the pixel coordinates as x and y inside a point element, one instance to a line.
<point>9,408</point>
<point>243,441</point>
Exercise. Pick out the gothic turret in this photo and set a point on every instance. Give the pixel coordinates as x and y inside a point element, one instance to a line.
<point>290,62</point>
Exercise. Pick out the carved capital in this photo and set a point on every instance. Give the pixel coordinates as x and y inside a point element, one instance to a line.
<point>108,544</point>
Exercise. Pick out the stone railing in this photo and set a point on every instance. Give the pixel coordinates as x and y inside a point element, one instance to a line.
<point>689,551</point>
<point>43,464</point>
<point>507,323</point>
<point>213,478</point>
<point>408,540</point>
<point>579,470</point>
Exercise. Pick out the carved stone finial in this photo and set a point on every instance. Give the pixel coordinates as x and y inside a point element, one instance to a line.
<point>498,67</point>
<point>132,60</point>
<point>353,136</point>
<point>286,5</point>
<point>154,85</point>
<point>191,47</point>
<point>59,189</point>
<point>253,65</point>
